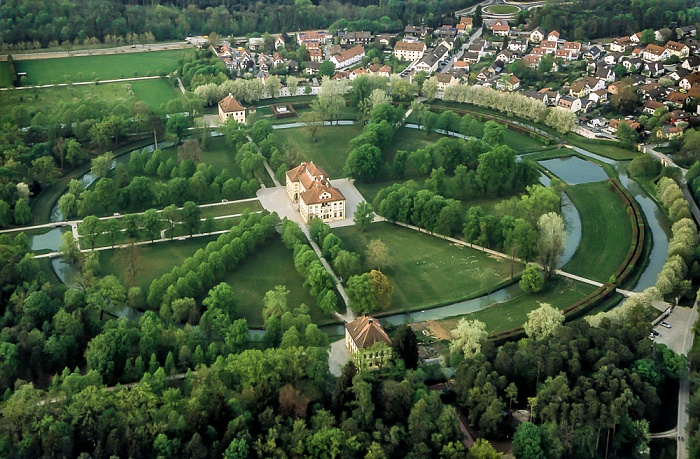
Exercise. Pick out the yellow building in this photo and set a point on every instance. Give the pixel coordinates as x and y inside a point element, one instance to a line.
<point>308,185</point>
<point>229,107</point>
<point>369,344</point>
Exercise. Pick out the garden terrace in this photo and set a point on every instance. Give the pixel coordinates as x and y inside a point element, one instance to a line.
<point>281,111</point>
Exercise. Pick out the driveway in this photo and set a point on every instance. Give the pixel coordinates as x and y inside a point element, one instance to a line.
<point>276,200</point>
<point>338,356</point>
<point>352,199</point>
<point>674,337</point>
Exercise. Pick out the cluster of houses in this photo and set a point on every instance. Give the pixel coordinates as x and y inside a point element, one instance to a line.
<point>665,73</point>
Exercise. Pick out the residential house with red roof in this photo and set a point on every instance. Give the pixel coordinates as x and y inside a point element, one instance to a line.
<point>308,185</point>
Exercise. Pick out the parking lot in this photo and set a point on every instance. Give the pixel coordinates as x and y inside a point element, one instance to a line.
<point>674,337</point>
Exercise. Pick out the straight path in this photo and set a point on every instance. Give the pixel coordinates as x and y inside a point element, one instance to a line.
<point>81,83</point>
<point>684,389</point>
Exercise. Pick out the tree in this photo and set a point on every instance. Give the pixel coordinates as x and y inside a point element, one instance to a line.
<point>260,130</point>
<point>347,264</point>
<point>531,281</point>
<point>626,135</point>
<point>6,213</point>
<point>477,18</point>
<point>364,215</point>
<point>383,289</point>
<point>360,290</point>
<point>222,297</point>
<point>129,258</point>
<point>191,215</point>
<point>405,346</point>
<point>494,133</point>
<point>151,223</point>
<point>543,322</point>
<point>313,120</point>
<point>89,229</point>
<point>22,214</point>
<point>102,164</point>
<point>377,254</point>
<point>292,84</point>
<point>177,126</point>
<point>272,86</point>
<point>551,241</point>
<point>113,228</point>
<point>429,88</point>
<point>468,337</point>
<point>527,442</point>
<point>429,121</point>
<point>45,171</point>
<point>326,69</point>
<point>364,163</point>
<point>190,149</point>
<point>482,449</point>
<point>69,248</point>
<point>648,36</point>
<point>237,449</point>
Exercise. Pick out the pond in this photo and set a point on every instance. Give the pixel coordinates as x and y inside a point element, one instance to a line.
<point>574,170</point>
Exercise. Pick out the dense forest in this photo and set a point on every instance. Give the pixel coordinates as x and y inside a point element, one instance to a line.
<point>47,21</point>
<point>612,18</point>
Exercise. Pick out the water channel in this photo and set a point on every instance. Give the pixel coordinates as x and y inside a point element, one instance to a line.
<point>571,170</point>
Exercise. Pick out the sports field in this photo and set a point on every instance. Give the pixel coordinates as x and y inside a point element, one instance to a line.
<point>103,67</point>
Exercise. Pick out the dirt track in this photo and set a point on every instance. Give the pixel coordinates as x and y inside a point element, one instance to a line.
<point>96,52</point>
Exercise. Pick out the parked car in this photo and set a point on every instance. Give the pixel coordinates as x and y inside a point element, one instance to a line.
<point>664,324</point>
<point>655,333</point>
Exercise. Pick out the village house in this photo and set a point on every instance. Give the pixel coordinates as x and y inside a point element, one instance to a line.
<point>417,31</point>
<point>230,108</point>
<point>662,34</point>
<point>653,69</point>
<point>368,343</point>
<point>508,83</point>
<point>500,28</point>
<point>655,53</point>
<point>312,38</point>
<point>537,35</point>
<point>553,36</point>
<point>689,81</point>
<point>409,51</point>
<point>348,58</point>
<point>650,106</point>
<point>549,47</point>
<point>308,185</point>
<point>677,49</point>
<point>620,45</point>
<point>518,45</point>
<point>446,79</point>
<point>279,42</point>
<point>569,103</point>
<point>636,38</point>
<point>691,64</point>
<point>355,38</point>
<point>430,61</point>
<point>465,25</point>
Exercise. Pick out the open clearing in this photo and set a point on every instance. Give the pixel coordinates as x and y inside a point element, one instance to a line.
<point>154,92</point>
<point>559,292</point>
<point>104,67</point>
<point>427,271</point>
<point>606,231</point>
<point>330,149</point>
<point>270,265</point>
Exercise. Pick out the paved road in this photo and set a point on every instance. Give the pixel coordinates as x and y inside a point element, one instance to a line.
<point>684,390</point>
<point>477,34</point>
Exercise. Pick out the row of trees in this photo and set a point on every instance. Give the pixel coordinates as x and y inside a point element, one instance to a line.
<point>512,104</point>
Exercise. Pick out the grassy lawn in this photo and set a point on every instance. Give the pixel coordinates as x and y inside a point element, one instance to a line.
<point>330,149</point>
<point>5,79</point>
<point>105,67</point>
<point>231,209</point>
<point>219,155</point>
<point>606,232</point>
<point>427,271</point>
<point>156,259</point>
<point>272,264</point>
<point>154,92</point>
<point>410,140</point>
<point>501,9</point>
<point>559,292</point>
<point>602,149</point>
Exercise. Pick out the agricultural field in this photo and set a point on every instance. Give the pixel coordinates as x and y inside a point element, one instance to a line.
<point>433,272</point>
<point>606,231</point>
<point>103,67</point>
<point>330,149</point>
<point>559,292</point>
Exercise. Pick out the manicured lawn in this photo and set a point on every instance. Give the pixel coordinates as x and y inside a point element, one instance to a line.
<point>231,209</point>
<point>330,150</point>
<point>559,292</point>
<point>106,67</point>
<point>501,9</point>
<point>156,259</point>
<point>272,264</point>
<point>219,155</point>
<point>5,79</point>
<point>410,140</point>
<point>606,232</point>
<point>427,271</point>
<point>154,92</point>
<point>602,148</point>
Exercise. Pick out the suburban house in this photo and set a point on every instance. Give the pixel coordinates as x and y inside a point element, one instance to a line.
<point>570,103</point>
<point>229,108</point>
<point>500,28</point>
<point>691,63</point>
<point>348,58</point>
<point>465,25</point>
<point>619,45</point>
<point>430,61</point>
<point>650,106</point>
<point>355,38</point>
<point>409,51</point>
<point>549,47</point>
<point>445,79</point>
<point>308,185</point>
<point>537,35</point>
<point>553,36</point>
<point>508,83</point>
<point>655,53</point>
<point>678,49</point>
<point>368,343</point>
<point>279,42</point>
<point>518,45</point>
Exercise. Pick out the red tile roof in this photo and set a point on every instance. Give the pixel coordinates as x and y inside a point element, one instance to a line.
<point>229,104</point>
<point>366,331</point>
